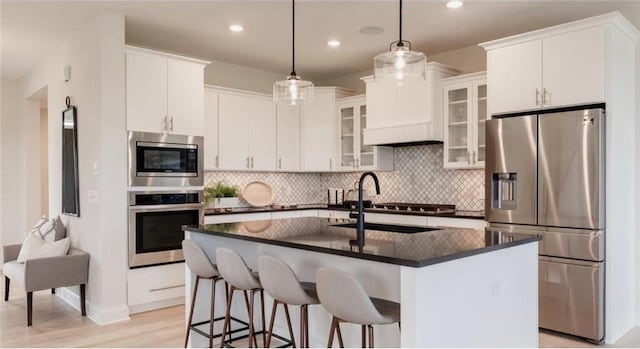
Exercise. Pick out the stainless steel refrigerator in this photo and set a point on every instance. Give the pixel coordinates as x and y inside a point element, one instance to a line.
<point>545,174</point>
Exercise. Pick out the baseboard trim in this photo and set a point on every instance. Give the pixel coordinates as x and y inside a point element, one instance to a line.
<point>165,303</point>
<point>99,315</point>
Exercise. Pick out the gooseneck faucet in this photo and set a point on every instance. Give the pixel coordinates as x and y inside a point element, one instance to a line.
<point>360,215</point>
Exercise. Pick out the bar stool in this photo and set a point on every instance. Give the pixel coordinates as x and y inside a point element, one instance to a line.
<point>237,274</point>
<point>282,284</point>
<point>346,300</point>
<point>201,266</point>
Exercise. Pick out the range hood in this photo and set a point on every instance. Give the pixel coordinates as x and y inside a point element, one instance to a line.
<point>407,114</point>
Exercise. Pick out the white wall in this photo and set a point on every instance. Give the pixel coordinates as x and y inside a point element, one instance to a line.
<point>638,183</point>
<point>469,59</point>
<point>241,77</point>
<point>96,55</point>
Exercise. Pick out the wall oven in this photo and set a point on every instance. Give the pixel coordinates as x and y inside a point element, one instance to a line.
<point>160,159</point>
<point>155,225</point>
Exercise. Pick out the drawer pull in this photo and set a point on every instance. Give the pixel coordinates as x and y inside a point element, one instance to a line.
<point>165,288</point>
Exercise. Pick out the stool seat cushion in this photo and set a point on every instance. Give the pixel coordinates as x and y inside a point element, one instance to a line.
<point>235,271</point>
<point>345,298</point>
<point>281,283</point>
<point>197,260</point>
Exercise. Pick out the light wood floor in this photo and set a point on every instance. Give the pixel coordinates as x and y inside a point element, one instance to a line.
<point>57,324</point>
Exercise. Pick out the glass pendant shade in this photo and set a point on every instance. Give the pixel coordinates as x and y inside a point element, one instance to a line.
<point>293,91</point>
<point>400,64</point>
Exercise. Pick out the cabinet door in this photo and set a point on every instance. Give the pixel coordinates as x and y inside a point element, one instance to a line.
<point>348,132</point>
<point>478,155</point>
<point>514,74</point>
<point>262,134</point>
<point>318,130</point>
<point>366,156</point>
<point>458,110</point>
<point>574,68</point>
<point>210,130</point>
<point>146,90</point>
<point>233,132</point>
<point>288,134</point>
<point>185,97</point>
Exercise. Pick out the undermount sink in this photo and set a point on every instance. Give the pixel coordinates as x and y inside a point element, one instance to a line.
<point>405,229</point>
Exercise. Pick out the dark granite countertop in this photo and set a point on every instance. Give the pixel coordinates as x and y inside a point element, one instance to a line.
<point>458,214</point>
<point>321,235</point>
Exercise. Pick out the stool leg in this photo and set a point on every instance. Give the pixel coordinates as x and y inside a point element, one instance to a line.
<point>271,322</point>
<point>264,324</point>
<point>226,318</point>
<point>193,302</point>
<point>214,281</point>
<point>331,332</point>
<point>370,336</point>
<point>364,336</point>
<point>286,312</point>
<point>339,333</point>
<point>252,338</point>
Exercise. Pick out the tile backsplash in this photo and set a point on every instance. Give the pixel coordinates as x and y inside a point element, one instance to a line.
<point>418,177</point>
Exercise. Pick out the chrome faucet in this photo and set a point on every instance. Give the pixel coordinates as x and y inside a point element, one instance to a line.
<point>360,215</point>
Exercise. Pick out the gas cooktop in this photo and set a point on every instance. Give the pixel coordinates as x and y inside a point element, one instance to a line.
<point>415,207</point>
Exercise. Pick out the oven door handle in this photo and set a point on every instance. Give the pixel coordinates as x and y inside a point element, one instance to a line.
<point>169,207</point>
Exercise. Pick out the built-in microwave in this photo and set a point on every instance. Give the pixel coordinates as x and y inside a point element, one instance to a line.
<point>161,159</point>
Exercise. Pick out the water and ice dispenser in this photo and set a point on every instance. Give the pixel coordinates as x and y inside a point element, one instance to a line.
<point>503,190</point>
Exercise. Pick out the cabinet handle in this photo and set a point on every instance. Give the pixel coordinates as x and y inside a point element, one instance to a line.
<point>165,288</point>
<point>544,96</point>
<point>217,161</point>
<point>537,97</point>
<point>248,162</point>
<point>164,124</point>
<point>358,162</point>
<point>171,123</point>
<point>354,162</point>
<point>469,157</point>
<point>252,162</point>
<point>280,163</point>
<point>330,163</point>
<point>474,157</point>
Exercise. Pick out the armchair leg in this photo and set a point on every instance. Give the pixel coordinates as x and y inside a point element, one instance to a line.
<point>53,291</point>
<point>83,307</point>
<point>29,308</point>
<point>7,283</point>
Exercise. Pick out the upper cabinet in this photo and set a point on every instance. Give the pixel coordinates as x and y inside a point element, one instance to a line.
<point>353,153</point>
<point>319,130</point>
<point>164,92</point>
<point>211,158</point>
<point>246,132</point>
<point>465,114</point>
<point>407,113</point>
<point>288,137</point>
<point>553,67</point>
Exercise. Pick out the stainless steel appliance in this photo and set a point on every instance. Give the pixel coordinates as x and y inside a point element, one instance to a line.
<point>155,225</point>
<point>545,174</point>
<point>161,159</point>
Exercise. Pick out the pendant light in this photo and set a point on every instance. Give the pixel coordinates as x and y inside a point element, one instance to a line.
<point>293,90</point>
<point>400,63</point>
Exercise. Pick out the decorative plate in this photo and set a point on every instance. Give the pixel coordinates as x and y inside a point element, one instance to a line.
<point>258,194</point>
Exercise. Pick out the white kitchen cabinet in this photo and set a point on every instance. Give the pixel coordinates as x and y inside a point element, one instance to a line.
<point>247,132</point>
<point>353,153</point>
<point>164,92</point>
<point>556,67</point>
<point>465,114</point>
<point>407,113</point>
<point>288,137</point>
<point>155,287</point>
<point>210,129</point>
<point>319,130</point>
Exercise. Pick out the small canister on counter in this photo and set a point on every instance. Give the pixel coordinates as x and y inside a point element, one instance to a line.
<point>335,197</point>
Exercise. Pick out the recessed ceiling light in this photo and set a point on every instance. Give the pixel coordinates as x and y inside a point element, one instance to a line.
<point>333,43</point>
<point>454,4</point>
<point>236,28</point>
<point>371,30</point>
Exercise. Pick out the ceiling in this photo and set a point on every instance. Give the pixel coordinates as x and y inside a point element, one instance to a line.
<point>200,28</point>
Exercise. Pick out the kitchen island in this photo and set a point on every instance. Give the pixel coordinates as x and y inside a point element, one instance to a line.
<point>457,287</point>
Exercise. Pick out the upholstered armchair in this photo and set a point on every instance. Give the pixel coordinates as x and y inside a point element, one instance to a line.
<point>45,273</point>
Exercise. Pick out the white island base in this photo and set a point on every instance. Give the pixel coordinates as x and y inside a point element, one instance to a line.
<point>483,300</point>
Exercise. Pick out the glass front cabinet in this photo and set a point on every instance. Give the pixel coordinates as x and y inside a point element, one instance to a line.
<point>465,114</point>
<point>353,154</point>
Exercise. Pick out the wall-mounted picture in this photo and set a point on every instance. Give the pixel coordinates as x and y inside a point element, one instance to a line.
<point>70,190</point>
